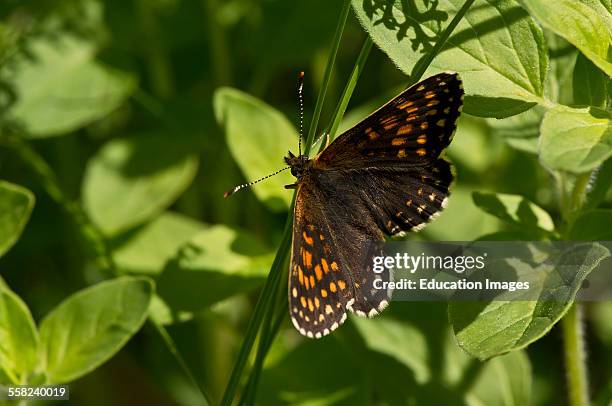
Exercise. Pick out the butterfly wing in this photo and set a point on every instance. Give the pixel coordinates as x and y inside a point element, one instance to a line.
<point>327,250</point>
<point>410,131</point>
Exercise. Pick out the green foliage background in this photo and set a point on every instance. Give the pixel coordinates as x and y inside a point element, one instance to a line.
<point>125,273</point>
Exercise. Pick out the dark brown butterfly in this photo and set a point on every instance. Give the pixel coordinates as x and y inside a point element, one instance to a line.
<point>382,177</point>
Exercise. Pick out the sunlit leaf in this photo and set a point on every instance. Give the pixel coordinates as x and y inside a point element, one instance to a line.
<point>487,329</point>
<point>497,48</point>
<point>214,264</point>
<point>18,338</point>
<point>63,88</point>
<point>130,180</point>
<point>91,326</point>
<point>258,137</point>
<point>575,140</point>
<point>16,204</point>
<point>579,24</point>
<point>149,248</point>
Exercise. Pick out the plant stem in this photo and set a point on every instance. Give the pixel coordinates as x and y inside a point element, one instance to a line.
<point>575,356</point>
<point>259,312</point>
<point>327,75</point>
<point>179,358</point>
<point>572,322</point>
<point>350,87</point>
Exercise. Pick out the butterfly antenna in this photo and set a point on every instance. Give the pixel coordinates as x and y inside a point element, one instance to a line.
<point>301,100</point>
<point>237,188</point>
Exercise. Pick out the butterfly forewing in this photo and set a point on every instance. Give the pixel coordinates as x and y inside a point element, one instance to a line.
<point>411,130</point>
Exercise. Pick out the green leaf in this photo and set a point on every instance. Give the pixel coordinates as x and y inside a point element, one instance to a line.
<point>579,24</point>
<point>131,180</point>
<point>149,248</point>
<point>215,264</point>
<point>515,210</point>
<point>389,337</point>
<point>258,137</point>
<point>590,83</point>
<point>575,140</point>
<point>594,225</point>
<point>91,326</point>
<point>497,48</point>
<point>62,88</point>
<point>460,220</point>
<point>505,380</point>
<point>16,204</point>
<point>18,338</point>
<point>487,329</point>
<point>520,131</point>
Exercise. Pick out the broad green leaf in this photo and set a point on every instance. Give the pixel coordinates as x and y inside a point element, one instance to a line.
<point>62,88</point>
<point>149,248</point>
<point>389,337</point>
<point>515,210</point>
<point>575,140</point>
<point>505,380</point>
<point>91,326</point>
<point>487,329</point>
<point>579,24</point>
<point>18,338</point>
<point>594,225</point>
<point>16,204</point>
<point>590,83</point>
<point>258,137</point>
<point>214,264</point>
<point>131,180</point>
<point>497,48</point>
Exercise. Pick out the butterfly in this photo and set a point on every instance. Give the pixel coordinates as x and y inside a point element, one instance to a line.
<point>383,177</point>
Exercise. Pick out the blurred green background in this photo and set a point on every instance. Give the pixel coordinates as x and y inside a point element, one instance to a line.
<point>132,136</point>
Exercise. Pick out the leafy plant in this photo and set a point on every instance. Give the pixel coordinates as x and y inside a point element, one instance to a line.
<point>126,121</point>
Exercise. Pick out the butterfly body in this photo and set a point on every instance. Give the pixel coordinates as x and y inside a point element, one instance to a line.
<point>383,177</point>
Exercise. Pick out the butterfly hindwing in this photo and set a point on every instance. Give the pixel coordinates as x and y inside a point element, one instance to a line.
<point>318,290</point>
<point>411,130</point>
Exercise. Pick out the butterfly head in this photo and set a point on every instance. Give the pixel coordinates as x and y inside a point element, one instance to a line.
<point>299,164</point>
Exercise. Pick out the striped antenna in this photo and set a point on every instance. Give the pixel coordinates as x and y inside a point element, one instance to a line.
<point>237,188</point>
<point>301,100</point>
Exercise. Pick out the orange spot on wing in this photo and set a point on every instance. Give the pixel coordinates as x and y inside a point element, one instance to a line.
<point>421,139</point>
<point>341,284</point>
<point>398,141</point>
<point>312,281</point>
<point>332,287</point>
<point>421,151</point>
<point>323,293</point>
<point>334,266</point>
<point>317,302</point>
<point>406,129</point>
<point>318,272</point>
<point>309,240</point>
<point>303,301</point>
<point>307,257</point>
<point>325,266</point>
<point>310,305</point>
<point>329,309</point>
<point>300,276</point>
